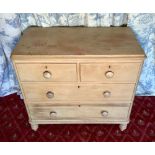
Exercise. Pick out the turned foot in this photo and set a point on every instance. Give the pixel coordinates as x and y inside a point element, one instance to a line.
<point>123,126</point>
<point>34,127</point>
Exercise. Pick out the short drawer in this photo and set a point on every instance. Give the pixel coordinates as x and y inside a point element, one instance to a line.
<point>47,92</point>
<point>76,112</point>
<point>109,72</point>
<point>47,72</point>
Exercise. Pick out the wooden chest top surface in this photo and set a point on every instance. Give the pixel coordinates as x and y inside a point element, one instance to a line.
<point>79,41</point>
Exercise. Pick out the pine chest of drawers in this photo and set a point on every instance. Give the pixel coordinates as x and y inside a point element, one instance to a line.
<point>78,75</point>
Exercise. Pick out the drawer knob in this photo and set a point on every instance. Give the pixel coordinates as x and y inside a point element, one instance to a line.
<point>50,94</point>
<point>109,74</point>
<point>104,113</point>
<point>47,74</point>
<point>106,93</point>
<point>53,114</point>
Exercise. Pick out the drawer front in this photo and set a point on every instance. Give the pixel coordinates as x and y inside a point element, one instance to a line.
<point>109,72</point>
<point>47,72</point>
<point>75,112</point>
<point>47,92</point>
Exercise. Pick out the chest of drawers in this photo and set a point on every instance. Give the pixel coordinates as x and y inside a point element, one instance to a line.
<point>78,75</point>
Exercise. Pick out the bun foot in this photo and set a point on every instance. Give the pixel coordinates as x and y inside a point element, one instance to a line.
<point>123,126</point>
<point>34,127</point>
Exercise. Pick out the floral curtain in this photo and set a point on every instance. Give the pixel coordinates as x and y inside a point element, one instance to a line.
<point>11,26</point>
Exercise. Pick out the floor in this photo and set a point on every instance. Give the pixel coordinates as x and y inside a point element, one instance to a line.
<point>14,125</point>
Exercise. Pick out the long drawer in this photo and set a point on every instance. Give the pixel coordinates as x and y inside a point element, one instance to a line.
<point>47,72</point>
<point>76,112</point>
<point>109,72</point>
<point>47,92</point>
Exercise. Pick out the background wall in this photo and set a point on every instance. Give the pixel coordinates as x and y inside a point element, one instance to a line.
<point>11,26</point>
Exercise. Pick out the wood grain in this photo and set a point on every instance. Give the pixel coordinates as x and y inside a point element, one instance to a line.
<point>36,92</point>
<point>59,72</point>
<point>75,112</point>
<point>122,72</point>
<point>59,41</point>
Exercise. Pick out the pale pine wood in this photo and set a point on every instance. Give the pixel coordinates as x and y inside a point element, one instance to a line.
<point>123,126</point>
<point>76,112</point>
<point>37,92</point>
<point>122,72</point>
<point>59,72</point>
<point>77,59</point>
<point>122,103</point>
<point>72,59</point>
<point>81,121</point>
<point>26,105</point>
<point>34,127</point>
<point>79,41</point>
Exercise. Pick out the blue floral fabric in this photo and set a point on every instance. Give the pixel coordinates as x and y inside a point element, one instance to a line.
<point>9,36</point>
<point>11,26</point>
<point>144,27</point>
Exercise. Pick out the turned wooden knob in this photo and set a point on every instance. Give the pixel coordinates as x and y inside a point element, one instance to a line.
<point>109,74</point>
<point>104,113</point>
<point>106,93</point>
<point>50,94</point>
<point>53,114</point>
<point>47,74</point>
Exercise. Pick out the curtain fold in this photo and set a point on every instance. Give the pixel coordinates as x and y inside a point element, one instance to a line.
<point>9,35</point>
<point>11,26</point>
<point>143,26</point>
<point>106,19</point>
